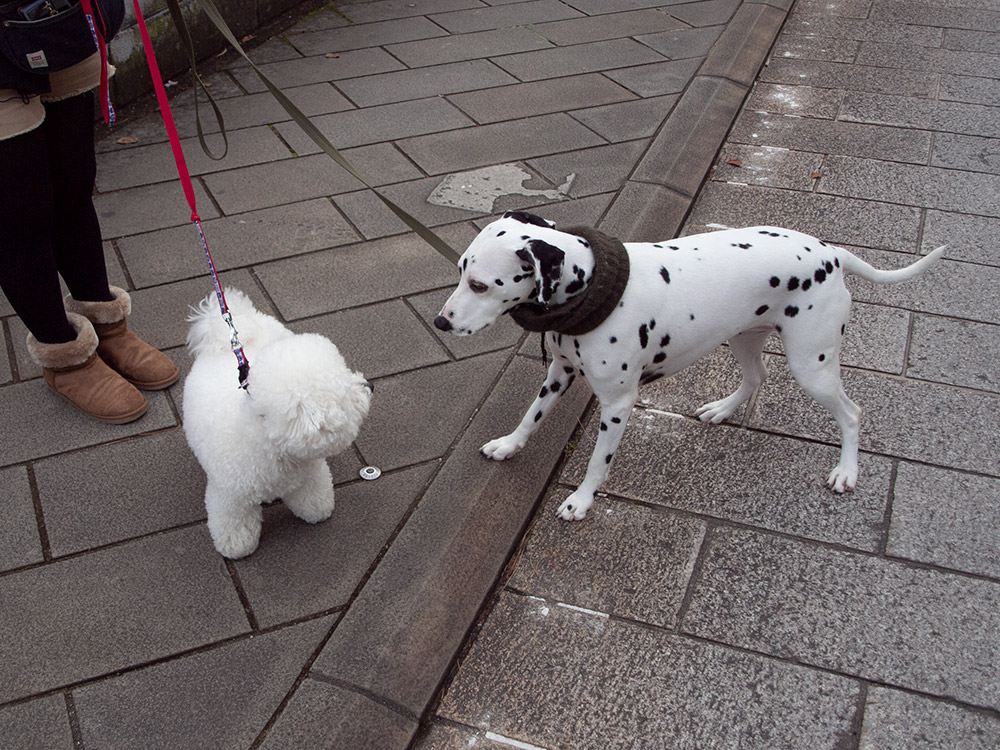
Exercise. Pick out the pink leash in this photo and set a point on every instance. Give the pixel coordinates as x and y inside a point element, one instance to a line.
<point>185,177</point>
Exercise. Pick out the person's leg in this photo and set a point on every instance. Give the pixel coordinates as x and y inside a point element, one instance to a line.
<point>76,232</point>
<point>63,345</point>
<point>78,249</point>
<point>28,268</point>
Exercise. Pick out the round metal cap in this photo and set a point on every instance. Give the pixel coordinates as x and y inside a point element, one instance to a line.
<point>371,472</point>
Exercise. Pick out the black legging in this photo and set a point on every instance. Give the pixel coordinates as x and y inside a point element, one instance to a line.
<point>48,225</point>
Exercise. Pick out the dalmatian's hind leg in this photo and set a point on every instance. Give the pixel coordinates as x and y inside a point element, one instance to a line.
<point>747,348</point>
<point>817,369</point>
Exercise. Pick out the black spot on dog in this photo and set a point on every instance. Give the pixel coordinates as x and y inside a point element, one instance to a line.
<point>842,329</point>
<point>665,340</point>
<point>806,284</point>
<point>822,357</point>
<point>660,356</point>
<point>659,246</point>
<point>820,275</point>
<point>568,370</point>
<point>616,420</point>
<point>665,274</point>
<point>525,218</point>
<point>501,233</point>
<point>538,415</point>
<point>775,281</point>
<point>607,458</point>
<point>573,287</point>
<point>761,310</point>
<point>692,316</point>
<point>643,335</point>
<point>829,267</point>
<point>465,264</point>
<point>544,392</point>
<point>624,366</point>
<point>778,329</point>
<point>836,262</point>
<point>498,282</point>
<point>791,311</point>
<point>652,324</point>
<point>673,247</point>
<point>808,249</point>
<point>613,339</point>
<point>556,386</point>
<point>604,427</point>
<point>793,283</point>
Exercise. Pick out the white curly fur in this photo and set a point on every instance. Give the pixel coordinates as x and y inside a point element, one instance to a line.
<point>302,404</point>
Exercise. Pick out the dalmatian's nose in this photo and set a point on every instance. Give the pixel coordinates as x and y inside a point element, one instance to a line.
<point>442,323</point>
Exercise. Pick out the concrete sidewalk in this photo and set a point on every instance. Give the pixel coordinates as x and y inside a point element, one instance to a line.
<point>717,596</point>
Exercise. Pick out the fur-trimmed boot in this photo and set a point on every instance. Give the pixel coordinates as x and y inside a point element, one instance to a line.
<point>139,363</point>
<point>75,372</point>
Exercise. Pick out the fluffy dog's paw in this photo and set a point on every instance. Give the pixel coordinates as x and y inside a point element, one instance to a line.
<point>313,510</point>
<point>501,448</point>
<point>236,541</point>
<point>575,507</point>
<point>842,479</point>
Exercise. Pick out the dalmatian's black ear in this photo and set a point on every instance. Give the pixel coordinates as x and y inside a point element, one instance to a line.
<point>525,218</point>
<point>546,262</point>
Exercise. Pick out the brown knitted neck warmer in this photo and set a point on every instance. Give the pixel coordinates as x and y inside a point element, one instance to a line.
<point>587,310</point>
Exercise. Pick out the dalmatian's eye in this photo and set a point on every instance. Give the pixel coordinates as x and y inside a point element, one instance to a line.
<point>477,286</point>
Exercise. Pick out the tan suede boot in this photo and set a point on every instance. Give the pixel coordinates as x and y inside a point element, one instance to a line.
<point>139,363</point>
<point>75,372</point>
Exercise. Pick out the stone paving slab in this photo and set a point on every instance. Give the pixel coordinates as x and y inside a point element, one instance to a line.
<point>599,573</point>
<point>776,596</point>
<point>39,723</point>
<point>110,493</point>
<point>156,257</point>
<point>20,545</point>
<point>919,421</point>
<point>120,607</point>
<point>960,534</point>
<point>491,43</point>
<point>324,714</point>
<point>255,674</point>
<point>936,354</point>
<point>895,720</point>
<point>578,679</point>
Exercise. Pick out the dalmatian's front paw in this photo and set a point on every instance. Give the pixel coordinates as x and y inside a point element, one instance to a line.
<point>501,448</point>
<point>716,411</point>
<point>842,479</point>
<point>575,507</point>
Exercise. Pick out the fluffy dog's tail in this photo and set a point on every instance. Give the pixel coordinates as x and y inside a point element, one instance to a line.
<point>209,333</point>
<point>854,264</point>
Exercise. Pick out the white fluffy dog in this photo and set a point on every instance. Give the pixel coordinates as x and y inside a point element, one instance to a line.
<point>302,404</point>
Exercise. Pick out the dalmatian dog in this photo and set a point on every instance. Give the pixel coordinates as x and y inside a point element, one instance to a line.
<point>682,298</point>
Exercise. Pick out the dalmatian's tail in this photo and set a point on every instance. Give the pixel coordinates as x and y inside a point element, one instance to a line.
<point>854,264</point>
